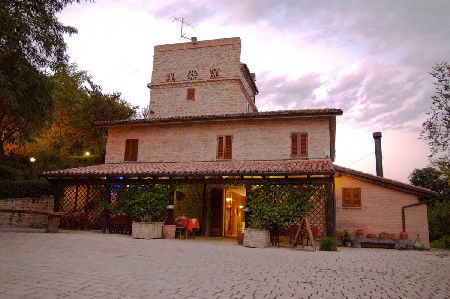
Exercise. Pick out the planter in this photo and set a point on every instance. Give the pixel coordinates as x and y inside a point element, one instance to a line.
<point>360,233</point>
<point>147,230</point>
<point>387,236</point>
<point>347,244</point>
<point>169,231</point>
<point>403,235</point>
<point>240,238</point>
<point>258,238</point>
<point>371,236</point>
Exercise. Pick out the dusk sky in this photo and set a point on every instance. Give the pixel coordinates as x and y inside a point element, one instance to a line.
<point>370,58</point>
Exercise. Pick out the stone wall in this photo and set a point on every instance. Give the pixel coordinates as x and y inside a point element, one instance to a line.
<point>229,92</point>
<point>381,211</point>
<point>252,140</point>
<point>25,220</point>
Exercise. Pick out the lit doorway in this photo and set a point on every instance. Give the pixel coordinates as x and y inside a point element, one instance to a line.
<point>233,212</point>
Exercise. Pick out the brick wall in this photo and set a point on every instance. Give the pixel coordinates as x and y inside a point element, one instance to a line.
<point>25,220</point>
<point>381,211</point>
<point>229,93</point>
<point>252,140</point>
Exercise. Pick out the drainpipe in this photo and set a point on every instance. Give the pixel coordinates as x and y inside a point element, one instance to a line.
<point>409,206</point>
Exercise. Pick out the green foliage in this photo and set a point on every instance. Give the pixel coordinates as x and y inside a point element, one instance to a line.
<point>143,202</point>
<point>443,243</point>
<point>439,219</point>
<point>18,189</point>
<point>328,244</point>
<point>32,41</point>
<point>436,129</point>
<point>346,237</point>
<point>434,178</point>
<point>274,206</point>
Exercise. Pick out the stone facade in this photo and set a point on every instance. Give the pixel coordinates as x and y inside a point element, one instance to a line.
<point>252,140</point>
<point>380,211</point>
<point>213,68</point>
<point>25,220</point>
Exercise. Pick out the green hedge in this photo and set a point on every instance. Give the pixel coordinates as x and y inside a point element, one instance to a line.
<point>18,189</point>
<point>328,244</point>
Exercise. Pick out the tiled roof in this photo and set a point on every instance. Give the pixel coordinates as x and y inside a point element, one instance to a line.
<point>225,168</point>
<point>226,117</point>
<point>384,181</point>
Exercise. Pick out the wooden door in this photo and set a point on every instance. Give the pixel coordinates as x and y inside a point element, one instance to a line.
<point>216,212</point>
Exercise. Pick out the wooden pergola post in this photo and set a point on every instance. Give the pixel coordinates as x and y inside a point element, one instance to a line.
<point>331,208</point>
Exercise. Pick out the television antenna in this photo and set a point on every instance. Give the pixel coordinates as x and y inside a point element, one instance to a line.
<point>183,23</point>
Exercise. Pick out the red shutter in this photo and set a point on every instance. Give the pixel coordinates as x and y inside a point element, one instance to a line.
<point>294,145</point>
<point>191,94</point>
<point>346,197</point>
<point>351,197</point>
<point>303,144</point>
<point>228,147</point>
<point>131,150</point>
<point>220,147</point>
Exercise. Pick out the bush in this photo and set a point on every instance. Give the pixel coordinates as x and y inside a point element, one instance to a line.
<point>328,244</point>
<point>443,243</point>
<point>143,202</point>
<point>18,189</point>
<point>346,237</point>
<point>439,219</point>
<point>274,206</point>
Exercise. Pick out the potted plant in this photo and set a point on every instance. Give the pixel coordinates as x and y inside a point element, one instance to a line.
<point>346,239</point>
<point>371,236</point>
<point>360,233</point>
<point>273,207</point>
<point>145,204</point>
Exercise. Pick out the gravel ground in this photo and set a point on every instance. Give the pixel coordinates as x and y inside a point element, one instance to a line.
<point>89,265</point>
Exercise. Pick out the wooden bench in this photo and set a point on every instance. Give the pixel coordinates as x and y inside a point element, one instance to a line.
<point>54,218</point>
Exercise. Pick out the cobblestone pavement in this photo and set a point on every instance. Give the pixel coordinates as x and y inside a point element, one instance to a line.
<point>89,265</point>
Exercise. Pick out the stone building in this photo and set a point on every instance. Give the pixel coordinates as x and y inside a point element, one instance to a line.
<point>205,131</point>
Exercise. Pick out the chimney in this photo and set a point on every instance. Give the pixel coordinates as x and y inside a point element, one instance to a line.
<point>194,40</point>
<point>378,157</point>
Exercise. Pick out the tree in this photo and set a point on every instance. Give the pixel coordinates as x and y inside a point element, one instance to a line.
<point>31,44</point>
<point>436,129</point>
<point>432,178</point>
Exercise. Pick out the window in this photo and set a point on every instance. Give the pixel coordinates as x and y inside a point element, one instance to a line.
<point>190,94</point>
<point>131,150</point>
<point>170,77</point>
<point>214,73</point>
<point>351,197</point>
<point>299,145</point>
<point>192,75</point>
<point>224,147</point>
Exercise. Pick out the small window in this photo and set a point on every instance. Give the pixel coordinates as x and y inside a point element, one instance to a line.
<point>299,145</point>
<point>170,77</point>
<point>351,197</point>
<point>214,73</point>
<point>192,75</point>
<point>225,147</point>
<point>131,150</point>
<point>190,94</point>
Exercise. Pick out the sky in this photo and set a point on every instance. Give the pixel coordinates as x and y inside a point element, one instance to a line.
<point>369,58</point>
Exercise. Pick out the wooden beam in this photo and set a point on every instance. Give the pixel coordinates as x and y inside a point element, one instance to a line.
<point>331,209</point>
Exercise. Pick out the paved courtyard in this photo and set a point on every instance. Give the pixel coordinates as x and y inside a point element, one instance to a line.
<point>89,265</point>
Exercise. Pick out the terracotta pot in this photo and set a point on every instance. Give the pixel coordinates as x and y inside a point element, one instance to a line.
<point>387,236</point>
<point>371,236</point>
<point>403,235</point>
<point>169,231</point>
<point>360,233</point>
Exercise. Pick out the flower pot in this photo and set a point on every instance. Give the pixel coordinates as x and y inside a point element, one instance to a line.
<point>371,236</point>
<point>147,230</point>
<point>169,231</point>
<point>403,235</point>
<point>360,233</point>
<point>387,236</point>
<point>240,238</point>
<point>258,238</point>
<point>347,244</point>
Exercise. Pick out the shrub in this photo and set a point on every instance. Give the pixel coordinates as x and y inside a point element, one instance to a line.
<point>328,244</point>
<point>439,219</point>
<point>443,243</point>
<point>274,206</point>
<point>346,237</point>
<point>143,202</point>
<point>18,189</point>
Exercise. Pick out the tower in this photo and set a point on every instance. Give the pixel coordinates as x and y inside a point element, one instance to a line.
<point>201,78</point>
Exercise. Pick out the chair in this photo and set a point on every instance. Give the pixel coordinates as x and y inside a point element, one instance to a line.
<point>193,227</point>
